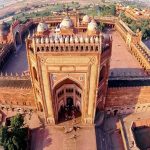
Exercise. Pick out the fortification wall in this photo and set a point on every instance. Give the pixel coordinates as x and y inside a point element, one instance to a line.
<point>128,100</point>
<point>136,46</point>
<point>20,100</point>
<point>16,96</point>
<point>16,93</point>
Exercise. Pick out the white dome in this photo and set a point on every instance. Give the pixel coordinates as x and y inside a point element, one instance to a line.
<point>42,27</point>
<point>86,19</point>
<point>92,25</point>
<point>66,23</point>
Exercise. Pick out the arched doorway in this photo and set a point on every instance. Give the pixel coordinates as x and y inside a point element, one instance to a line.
<point>68,98</point>
<point>17,39</point>
<point>69,102</point>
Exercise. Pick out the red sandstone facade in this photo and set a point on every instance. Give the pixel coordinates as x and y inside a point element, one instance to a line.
<point>41,45</point>
<point>71,61</point>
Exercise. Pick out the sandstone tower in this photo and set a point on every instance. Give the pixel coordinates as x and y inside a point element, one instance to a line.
<point>69,68</point>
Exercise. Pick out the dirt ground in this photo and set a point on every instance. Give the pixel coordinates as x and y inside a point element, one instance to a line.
<point>19,5</point>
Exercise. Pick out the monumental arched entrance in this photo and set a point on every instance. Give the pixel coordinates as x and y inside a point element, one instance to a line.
<point>67,100</point>
<point>17,39</point>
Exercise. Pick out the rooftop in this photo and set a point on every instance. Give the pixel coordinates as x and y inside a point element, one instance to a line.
<point>122,62</point>
<point>15,82</point>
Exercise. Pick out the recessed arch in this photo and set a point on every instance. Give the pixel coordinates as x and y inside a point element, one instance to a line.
<point>67,81</point>
<point>67,105</point>
<point>17,38</point>
<point>60,105</point>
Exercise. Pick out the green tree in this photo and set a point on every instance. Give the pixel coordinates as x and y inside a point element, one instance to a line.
<point>17,121</point>
<point>15,136</point>
<point>113,10</point>
<point>101,26</point>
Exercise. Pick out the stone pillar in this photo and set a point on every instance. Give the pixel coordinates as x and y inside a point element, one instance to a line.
<point>47,96</point>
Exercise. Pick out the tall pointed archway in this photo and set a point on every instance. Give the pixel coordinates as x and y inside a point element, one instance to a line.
<point>18,40</point>
<point>67,100</point>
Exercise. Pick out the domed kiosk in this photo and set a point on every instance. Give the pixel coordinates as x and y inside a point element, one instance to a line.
<point>42,28</point>
<point>92,28</point>
<point>66,23</point>
<point>86,19</point>
<point>67,26</point>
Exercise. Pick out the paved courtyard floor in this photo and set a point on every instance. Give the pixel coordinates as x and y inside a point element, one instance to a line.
<point>59,137</point>
<point>54,138</point>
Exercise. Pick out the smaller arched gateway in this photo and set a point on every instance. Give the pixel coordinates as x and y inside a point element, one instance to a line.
<point>17,39</point>
<point>67,100</point>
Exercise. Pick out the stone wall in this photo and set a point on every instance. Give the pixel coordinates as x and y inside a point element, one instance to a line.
<point>128,100</point>
<point>136,46</point>
<point>17,98</point>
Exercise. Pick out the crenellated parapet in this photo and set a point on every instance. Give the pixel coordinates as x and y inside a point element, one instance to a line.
<point>70,43</point>
<point>16,93</point>
<point>14,76</point>
<point>135,44</point>
<point>15,81</point>
<point>67,40</point>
